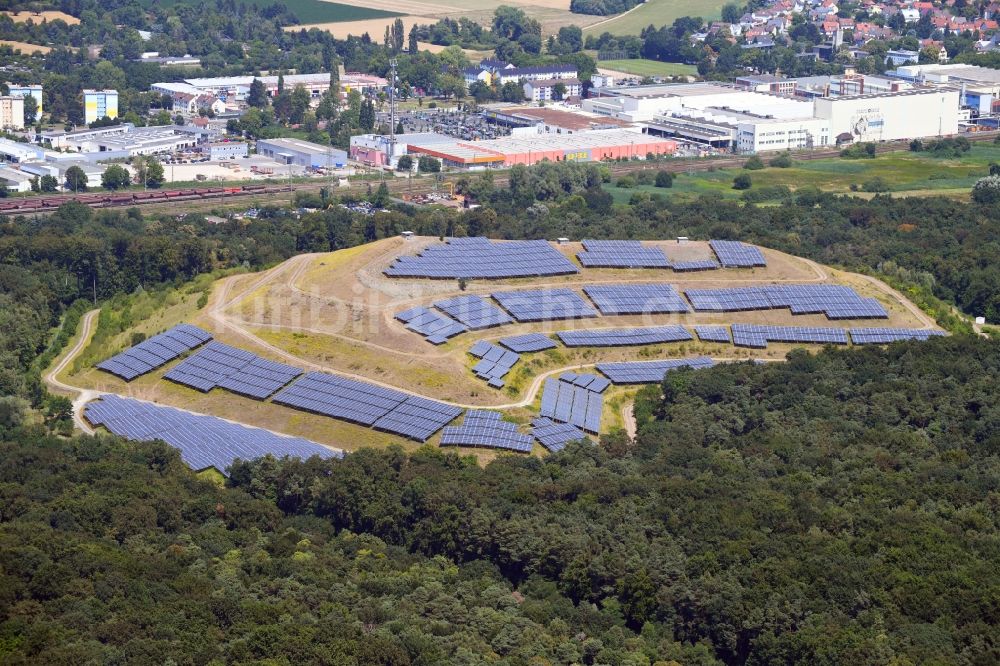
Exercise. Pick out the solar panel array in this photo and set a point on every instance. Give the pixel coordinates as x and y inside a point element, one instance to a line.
<point>620,337</point>
<point>757,337</point>
<point>695,265</point>
<point>150,354</point>
<point>713,333</point>
<point>734,254</point>
<point>646,372</point>
<point>555,436</point>
<point>529,342</point>
<point>495,362</point>
<point>835,301</point>
<point>204,441</point>
<point>574,399</point>
<point>367,404</point>
<point>636,299</point>
<point>435,327</point>
<point>483,259</point>
<point>621,254</point>
<point>883,336</point>
<point>544,304</point>
<point>482,428</point>
<point>474,312</point>
<point>237,370</point>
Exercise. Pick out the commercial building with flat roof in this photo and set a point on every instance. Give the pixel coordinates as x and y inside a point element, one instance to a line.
<point>301,153</point>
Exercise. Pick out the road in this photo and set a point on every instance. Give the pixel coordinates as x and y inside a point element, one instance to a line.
<point>82,396</point>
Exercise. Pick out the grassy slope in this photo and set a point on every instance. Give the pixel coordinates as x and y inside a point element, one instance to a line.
<point>658,12</point>
<point>643,67</point>
<point>313,11</point>
<point>905,172</point>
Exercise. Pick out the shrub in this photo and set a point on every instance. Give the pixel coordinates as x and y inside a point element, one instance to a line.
<point>664,179</point>
<point>876,184</point>
<point>782,161</point>
<point>742,182</point>
<point>987,190</point>
<point>405,163</point>
<point>754,163</point>
<point>428,164</point>
<point>626,182</point>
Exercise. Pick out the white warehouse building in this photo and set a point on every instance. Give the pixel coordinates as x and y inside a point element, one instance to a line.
<point>909,114</point>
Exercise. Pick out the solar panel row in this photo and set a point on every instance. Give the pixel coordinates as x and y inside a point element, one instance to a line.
<point>203,441</point>
<point>240,371</point>
<point>646,372</point>
<point>435,327</point>
<point>621,254</point>
<point>882,336</point>
<point>554,436</point>
<point>529,342</point>
<point>482,428</point>
<point>473,311</point>
<point>620,337</point>
<point>495,362</point>
<point>367,404</point>
<point>544,304</point>
<point>713,333</point>
<point>158,350</point>
<point>574,399</point>
<point>636,299</point>
<point>483,259</point>
<point>835,301</point>
<point>734,254</point>
<point>757,337</point>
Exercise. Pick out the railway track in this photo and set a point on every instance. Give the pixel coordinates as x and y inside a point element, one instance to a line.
<point>181,199</point>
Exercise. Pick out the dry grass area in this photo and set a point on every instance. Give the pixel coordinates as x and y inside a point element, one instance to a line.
<point>552,14</point>
<point>25,47</point>
<point>41,17</point>
<point>335,311</point>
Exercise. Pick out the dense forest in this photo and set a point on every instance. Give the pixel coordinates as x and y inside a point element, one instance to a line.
<point>839,508</point>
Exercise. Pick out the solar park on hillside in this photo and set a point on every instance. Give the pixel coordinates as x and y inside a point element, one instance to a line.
<point>203,441</point>
<point>571,404</point>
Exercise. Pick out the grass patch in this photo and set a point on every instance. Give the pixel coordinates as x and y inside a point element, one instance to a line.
<point>903,172</point>
<point>643,67</point>
<point>308,11</point>
<point>658,13</point>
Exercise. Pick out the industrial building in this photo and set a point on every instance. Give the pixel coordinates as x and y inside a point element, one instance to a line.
<point>15,180</point>
<point>99,104</point>
<point>301,153</point>
<point>592,146</point>
<point>225,150</point>
<point>236,88</point>
<point>747,121</point>
<point>33,89</point>
<point>11,112</point>
<point>548,119</point>
<point>377,149</point>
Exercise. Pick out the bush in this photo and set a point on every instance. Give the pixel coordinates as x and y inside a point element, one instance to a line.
<point>428,164</point>
<point>782,161</point>
<point>859,151</point>
<point>645,177</point>
<point>987,190</point>
<point>626,182</point>
<point>405,163</point>
<point>876,184</point>
<point>664,179</point>
<point>754,163</point>
<point>742,182</point>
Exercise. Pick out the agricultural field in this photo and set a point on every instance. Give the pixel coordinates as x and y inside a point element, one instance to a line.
<point>552,14</point>
<point>656,13</point>
<point>644,67</point>
<point>41,17</point>
<point>25,47</point>
<point>903,173</point>
<point>319,11</point>
<point>335,312</point>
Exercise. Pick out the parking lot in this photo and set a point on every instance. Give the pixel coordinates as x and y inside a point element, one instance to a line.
<point>459,124</point>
